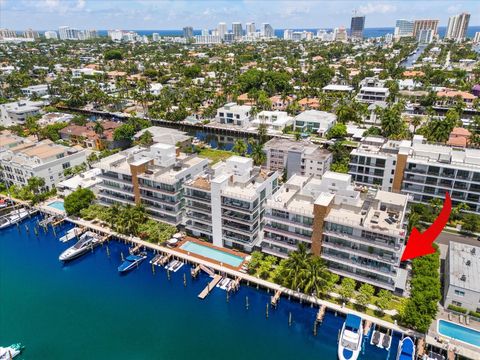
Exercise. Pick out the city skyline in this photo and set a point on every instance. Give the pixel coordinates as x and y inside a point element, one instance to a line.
<point>141,14</point>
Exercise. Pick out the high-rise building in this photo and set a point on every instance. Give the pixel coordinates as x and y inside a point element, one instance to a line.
<point>6,33</point>
<point>419,25</point>
<point>115,35</point>
<point>476,38</point>
<point>287,34</point>
<point>222,30</point>
<point>31,34</point>
<point>51,35</point>
<point>250,28</point>
<point>425,36</point>
<point>340,34</point>
<point>68,33</point>
<point>457,27</point>
<point>156,37</point>
<point>237,30</point>
<point>188,32</point>
<point>403,28</point>
<point>267,30</point>
<point>356,27</point>
<point>205,32</point>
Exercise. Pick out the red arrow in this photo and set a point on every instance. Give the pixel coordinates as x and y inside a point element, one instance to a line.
<point>420,244</point>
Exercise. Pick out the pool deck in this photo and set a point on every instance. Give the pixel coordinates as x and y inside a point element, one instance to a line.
<point>449,344</point>
<point>203,243</point>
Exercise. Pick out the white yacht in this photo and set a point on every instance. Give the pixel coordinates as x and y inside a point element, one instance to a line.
<point>9,352</point>
<point>87,242</point>
<point>350,342</point>
<point>12,218</point>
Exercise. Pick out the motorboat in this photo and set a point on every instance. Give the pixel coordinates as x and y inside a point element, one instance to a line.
<point>70,234</point>
<point>350,342</point>
<point>132,261</point>
<point>9,352</point>
<point>14,217</point>
<point>406,349</point>
<point>86,242</point>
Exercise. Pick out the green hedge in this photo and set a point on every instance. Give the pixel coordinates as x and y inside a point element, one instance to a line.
<point>474,314</point>
<point>457,309</point>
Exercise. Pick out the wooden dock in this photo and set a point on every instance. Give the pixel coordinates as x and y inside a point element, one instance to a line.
<point>164,260</point>
<point>275,298</point>
<point>420,347</point>
<point>451,354</point>
<point>211,285</point>
<point>194,271</point>
<point>321,313</point>
<point>366,329</point>
<point>135,249</point>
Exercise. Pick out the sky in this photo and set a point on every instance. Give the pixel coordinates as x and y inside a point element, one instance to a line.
<point>175,14</point>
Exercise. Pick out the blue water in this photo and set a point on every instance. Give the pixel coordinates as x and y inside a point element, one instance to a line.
<point>57,205</point>
<point>86,310</point>
<point>368,32</point>
<point>214,254</point>
<point>459,332</point>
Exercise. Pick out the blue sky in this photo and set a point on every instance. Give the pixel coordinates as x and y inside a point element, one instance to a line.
<point>173,14</point>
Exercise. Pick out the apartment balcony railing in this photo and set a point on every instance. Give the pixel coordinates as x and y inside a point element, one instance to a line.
<point>287,221</point>
<point>367,279</point>
<point>146,187</point>
<point>363,265</point>
<point>377,242</point>
<point>354,250</point>
<point>287,233</point>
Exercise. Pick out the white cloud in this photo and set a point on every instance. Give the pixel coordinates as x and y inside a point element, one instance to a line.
<point>80,4</point>
<point>377,8</point>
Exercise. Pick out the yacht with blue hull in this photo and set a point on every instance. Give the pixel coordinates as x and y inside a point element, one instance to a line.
<point>406,349</point>
<point>131,262</point>
<point>350,342</point>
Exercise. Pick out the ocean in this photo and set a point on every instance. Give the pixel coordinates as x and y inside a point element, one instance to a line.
<point>86,310</point>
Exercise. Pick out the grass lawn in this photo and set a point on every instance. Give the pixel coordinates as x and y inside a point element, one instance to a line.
<point>215,155</point>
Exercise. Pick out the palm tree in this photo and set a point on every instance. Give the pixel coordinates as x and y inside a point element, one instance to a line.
<point>294,267</point>
<point>240,147</point>
<point>416,121</point>
<point>98,128</point>
<point>317,276</point>
<point>36,183</point>
<point>258,155</point>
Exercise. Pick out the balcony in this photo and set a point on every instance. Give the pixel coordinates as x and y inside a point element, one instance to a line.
<point>158,200</point>
<point>378,243</point>
<point>203,199</point>
<point>123,189</point>
<point>245,219</point>
<point>115,198</point>
<point>359,264</point>
<point>354,250</point>
<point>290,247</point>
<point>288,233</point>
<point>115,179</point>
<point>145,187</point>
<point>367,279</point>
<point>287,221</point>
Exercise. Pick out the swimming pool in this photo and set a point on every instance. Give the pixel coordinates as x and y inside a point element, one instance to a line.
<point>208,252</point>
<point>57,205</point>
<point>459,332</point>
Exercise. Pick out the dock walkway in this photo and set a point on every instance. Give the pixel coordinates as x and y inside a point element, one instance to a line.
<point>211,285</point>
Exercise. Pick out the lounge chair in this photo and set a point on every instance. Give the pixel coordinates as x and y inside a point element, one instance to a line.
<point>376,338</point>
<point>386,341</point>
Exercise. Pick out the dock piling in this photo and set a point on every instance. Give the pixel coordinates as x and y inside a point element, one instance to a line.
<point>290,318</point>
<point>246,302</point>
<point>184,279</point>
<point>266,311</point>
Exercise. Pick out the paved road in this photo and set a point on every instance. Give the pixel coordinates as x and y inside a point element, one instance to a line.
<point>446,237</point>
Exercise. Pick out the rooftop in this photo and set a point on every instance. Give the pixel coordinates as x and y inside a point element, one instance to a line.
<point>464,266</point>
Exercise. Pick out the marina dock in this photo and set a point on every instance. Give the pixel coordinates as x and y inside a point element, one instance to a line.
<point>321,313</point>
<point>366,329</point>
<point>211,285</point>
<point>275,298</point>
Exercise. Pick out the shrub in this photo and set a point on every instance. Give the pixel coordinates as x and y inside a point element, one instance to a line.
<point>78,200</point>
<point>457,309</point>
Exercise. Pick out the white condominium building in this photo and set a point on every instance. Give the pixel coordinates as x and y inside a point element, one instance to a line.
<point>151,177</point>
<point>15,113</point>
<point>226,206</point>
<point>403,28</point>
<point>359,234</point>
<point>294,157</point>
<point>21,159</point>
<point>234,114</point>
<point>457,27</point>
<point>424,171</point>
<point>372,90</point>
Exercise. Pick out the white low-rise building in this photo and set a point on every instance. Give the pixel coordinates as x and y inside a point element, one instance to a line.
<point>462,286</point>
<point>35,90</point>
<point>233,114</point>
<point>314,121</point>
<point>42,159</point>
<point>15,113</point>
<point>274,120</point>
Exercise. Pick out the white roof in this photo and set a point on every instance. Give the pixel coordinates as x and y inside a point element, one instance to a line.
<point>464,266</point>
<point>333,87</point>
